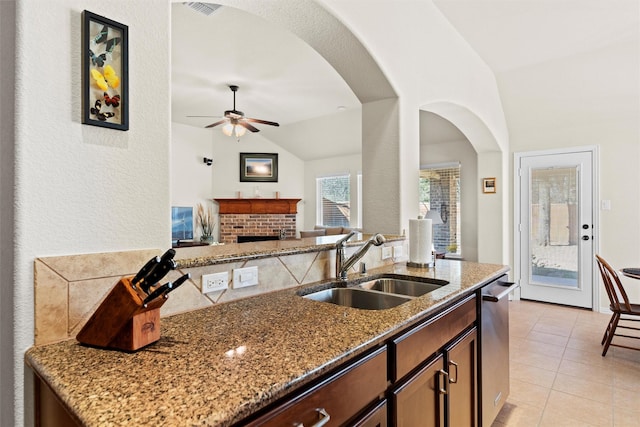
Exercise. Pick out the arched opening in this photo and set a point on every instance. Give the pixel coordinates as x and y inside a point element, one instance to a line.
<point>483,233</point>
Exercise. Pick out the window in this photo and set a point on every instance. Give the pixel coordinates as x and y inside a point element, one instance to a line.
<point>440,193</point>
<point>333,201</point>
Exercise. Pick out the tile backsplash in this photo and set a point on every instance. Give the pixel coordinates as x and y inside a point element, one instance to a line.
<point>68,289</point>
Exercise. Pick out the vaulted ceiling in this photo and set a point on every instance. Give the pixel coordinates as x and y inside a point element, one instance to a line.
<point>282,79</point>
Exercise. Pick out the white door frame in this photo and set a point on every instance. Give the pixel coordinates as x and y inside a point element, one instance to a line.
<point>595,153</point>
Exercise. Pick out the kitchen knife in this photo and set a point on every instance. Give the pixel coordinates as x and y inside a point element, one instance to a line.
<point>159,271</point>
<point>166,288</point>
<point>177,283</point>
<point>156,293</point>
<point>144,271</point>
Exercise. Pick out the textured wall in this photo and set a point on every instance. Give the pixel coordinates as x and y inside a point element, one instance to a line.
<point>79,188</point>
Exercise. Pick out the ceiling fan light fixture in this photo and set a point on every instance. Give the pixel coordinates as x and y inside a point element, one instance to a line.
<point>235,123</point>
<point>240,131</point>
<point>228,129</point>
<point>231,129</point>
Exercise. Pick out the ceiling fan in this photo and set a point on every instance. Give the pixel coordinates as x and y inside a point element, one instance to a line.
<point>236,122</point>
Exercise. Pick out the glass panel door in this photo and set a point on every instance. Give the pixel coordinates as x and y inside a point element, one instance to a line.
<point>556,228</point>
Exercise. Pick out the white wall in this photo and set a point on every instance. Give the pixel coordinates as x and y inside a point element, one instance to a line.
<point>79,188</point>
<point>550,110</point>
<point>193,182</point>
<point>463,152</point>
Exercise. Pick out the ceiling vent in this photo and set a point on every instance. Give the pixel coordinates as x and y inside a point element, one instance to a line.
<point>204,8</point>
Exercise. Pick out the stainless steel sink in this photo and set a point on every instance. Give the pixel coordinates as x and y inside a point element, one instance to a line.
<point>358,298</point>
<point>402,287</point>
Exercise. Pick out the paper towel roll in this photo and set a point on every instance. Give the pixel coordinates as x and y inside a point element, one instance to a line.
<point>420,241</point>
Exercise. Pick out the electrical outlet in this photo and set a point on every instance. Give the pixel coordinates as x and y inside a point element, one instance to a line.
<point>397,251</point>
<point>386,252</point>
<point>243,277</point>
<point>215,282</point>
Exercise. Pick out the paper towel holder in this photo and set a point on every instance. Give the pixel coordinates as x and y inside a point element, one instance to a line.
<point>422,264</point>
<point>432,263</point>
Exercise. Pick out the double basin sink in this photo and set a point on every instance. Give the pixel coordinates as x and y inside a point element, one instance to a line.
<point>377,294</point>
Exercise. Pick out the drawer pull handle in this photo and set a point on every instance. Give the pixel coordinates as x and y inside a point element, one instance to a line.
<point>443,377</point>
<point>324,418</point>
<point>452,379</point>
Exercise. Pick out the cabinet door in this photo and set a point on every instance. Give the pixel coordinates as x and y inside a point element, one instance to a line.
<point>461,359</point>
<point>376,417</point>
<point>419,402</point>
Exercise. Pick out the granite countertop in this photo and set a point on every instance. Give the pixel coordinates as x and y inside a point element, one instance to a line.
<point>198,256</point>
<point>217,365</point>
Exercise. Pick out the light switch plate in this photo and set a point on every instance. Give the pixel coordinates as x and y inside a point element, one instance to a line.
<point>397,251</point>
<point>386,252</point>
<point>243,277</point>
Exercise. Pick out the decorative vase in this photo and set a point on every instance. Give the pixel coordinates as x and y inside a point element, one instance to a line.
<point>206,239</point>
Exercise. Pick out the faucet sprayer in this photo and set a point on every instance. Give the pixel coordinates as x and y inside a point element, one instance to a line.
<point>342,265</point>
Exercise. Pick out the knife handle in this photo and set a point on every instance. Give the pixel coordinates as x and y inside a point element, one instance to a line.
<point>144,271</point>
<point>156,293</point>
<point>157,273</point>
<point>169,254</point>
<point>177,283</point>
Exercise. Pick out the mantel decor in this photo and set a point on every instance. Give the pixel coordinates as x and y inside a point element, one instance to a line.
<point>258,167</point>
<point>105,82</point>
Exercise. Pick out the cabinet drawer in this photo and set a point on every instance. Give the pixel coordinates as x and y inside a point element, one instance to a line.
<point>342,395</point>
<point>414,347</point>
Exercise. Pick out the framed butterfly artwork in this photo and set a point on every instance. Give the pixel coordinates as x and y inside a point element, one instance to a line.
<point>105,81</point>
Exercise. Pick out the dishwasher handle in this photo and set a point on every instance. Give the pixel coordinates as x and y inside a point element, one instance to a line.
<point>495,297</point>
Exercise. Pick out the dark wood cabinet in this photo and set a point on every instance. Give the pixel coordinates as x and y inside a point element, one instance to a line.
<point>462,394</point>
<point>340,397</point>
<point>444,391</point>
<point>419,401</point>
<point>419,343</point>
<point>435,370</point>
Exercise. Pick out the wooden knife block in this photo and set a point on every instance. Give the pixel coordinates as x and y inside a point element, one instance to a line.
<point>122,322</point>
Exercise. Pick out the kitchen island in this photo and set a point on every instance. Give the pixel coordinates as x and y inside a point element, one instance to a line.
<point>220,365</point>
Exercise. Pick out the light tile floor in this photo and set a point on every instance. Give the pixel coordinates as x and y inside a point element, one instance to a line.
<point>558,375</point>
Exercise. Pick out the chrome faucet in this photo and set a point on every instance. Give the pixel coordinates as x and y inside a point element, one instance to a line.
<point>342,265</point>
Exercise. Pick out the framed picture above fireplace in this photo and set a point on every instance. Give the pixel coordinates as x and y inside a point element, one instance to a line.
<point>258,167</point>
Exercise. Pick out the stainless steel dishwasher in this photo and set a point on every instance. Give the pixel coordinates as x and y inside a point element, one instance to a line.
<point>494,347</point>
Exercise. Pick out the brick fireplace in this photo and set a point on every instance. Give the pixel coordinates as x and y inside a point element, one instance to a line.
<point>259,218</point>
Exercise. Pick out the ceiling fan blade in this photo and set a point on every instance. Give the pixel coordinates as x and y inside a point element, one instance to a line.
<point>264,122</point>
<point>246,125</point>
<point>216,123</point>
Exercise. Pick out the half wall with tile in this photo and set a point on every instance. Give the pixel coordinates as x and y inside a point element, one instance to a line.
<point>68,289</point>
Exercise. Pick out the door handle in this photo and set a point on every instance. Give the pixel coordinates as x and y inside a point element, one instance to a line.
<point>452,379</point>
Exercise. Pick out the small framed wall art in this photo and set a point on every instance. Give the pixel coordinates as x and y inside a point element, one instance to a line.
<point>105,82</point>
<point>488,185</point>
<point>258,167</point>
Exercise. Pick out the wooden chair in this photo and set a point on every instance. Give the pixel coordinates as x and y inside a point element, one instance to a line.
<point>620,305</point>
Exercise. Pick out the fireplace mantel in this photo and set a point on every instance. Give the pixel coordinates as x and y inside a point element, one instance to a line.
<point>258,206</point>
